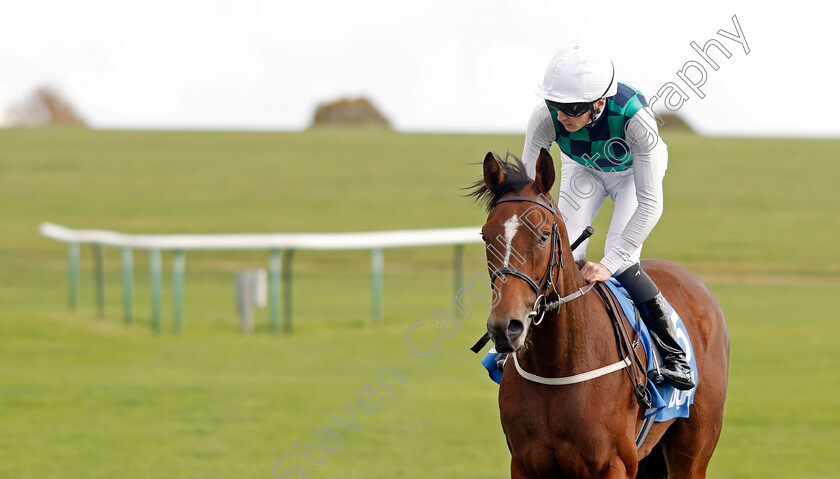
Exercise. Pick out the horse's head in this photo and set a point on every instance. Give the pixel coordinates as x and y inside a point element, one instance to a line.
<point>522,234</point>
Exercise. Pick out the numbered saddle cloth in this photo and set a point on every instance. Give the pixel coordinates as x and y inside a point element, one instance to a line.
<point>667,402</point>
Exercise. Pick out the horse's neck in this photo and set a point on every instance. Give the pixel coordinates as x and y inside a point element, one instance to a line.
<point>568,340</point>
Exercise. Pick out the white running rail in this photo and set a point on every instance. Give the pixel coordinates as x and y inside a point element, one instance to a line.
<point>275,243</point>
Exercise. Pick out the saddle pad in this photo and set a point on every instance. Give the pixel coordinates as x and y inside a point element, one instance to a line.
<point>490,364</point>
<point>667,402</point>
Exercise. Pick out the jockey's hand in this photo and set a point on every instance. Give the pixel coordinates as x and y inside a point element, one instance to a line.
<point>593,272</point>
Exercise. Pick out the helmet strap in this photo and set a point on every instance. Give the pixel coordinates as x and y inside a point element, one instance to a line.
<point>593,112</point>
<point>593,115</point>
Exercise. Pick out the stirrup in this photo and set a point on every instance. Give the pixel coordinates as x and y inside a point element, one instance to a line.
<point>656,376</point>
<point>682,382</point>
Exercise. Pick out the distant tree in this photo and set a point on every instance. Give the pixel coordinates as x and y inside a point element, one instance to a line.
<point>44,106</point>
<point>349,111</point>
<point>672,121</point>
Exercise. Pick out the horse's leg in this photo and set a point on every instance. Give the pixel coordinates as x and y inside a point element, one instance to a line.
<point>688,448</point>
<point>689,443</point>
<point>517,471</point>
<point>622,465</point>
<point>620,469</point>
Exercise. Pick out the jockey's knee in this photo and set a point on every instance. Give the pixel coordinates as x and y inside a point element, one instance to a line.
<point>637,283</point>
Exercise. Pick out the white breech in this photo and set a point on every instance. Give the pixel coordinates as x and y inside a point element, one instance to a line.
<point>582,192</point>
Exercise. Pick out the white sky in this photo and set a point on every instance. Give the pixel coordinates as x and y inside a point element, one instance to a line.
<point>455,65</point>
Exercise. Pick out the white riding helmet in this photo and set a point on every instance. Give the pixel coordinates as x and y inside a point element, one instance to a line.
<point>578,74</point>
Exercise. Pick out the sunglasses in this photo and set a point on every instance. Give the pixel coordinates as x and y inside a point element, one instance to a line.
<point>569,109</point>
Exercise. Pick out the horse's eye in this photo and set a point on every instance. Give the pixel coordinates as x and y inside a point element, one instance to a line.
<point>482,237</point>
<point>544,237</point>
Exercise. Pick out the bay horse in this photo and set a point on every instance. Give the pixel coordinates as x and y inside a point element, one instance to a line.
<point>586,429</point>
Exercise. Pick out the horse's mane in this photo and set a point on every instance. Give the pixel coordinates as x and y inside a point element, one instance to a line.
<point>516,178</point>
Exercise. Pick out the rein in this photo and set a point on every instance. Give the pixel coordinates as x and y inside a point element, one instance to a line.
<point>551,306</point>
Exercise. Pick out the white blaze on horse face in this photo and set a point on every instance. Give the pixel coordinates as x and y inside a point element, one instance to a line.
<point>511,225</point>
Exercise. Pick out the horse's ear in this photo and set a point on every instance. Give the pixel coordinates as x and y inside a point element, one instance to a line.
<point>545,172</point>
<point>493,175</point>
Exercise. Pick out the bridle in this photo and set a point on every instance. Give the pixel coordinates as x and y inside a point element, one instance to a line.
<point>547,284</point>
<point>545,287</point>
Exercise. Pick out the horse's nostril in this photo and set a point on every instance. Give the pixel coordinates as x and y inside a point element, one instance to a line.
<point>515,328</point>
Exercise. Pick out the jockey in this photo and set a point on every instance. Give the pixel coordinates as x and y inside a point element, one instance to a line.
<point>610,146</point>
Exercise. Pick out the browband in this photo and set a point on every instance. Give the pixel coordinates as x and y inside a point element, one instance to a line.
<point>529,199</point>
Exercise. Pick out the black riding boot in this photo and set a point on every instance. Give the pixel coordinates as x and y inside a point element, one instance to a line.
<point>675,368</point>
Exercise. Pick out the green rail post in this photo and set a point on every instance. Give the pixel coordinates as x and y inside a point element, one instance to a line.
<point>178,266</point>
<point>99,279</point>
<point>458,268</point>
<point>155,272</point>
<point>73,254</point>
<point>128,284</point>
<point>377,267</point>
<point>274,291</point>
<point>287,290</point>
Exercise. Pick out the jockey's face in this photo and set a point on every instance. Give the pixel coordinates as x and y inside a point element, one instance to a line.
<point>575,123</point>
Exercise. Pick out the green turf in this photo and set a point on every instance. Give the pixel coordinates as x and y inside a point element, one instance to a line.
<point>84,397</point>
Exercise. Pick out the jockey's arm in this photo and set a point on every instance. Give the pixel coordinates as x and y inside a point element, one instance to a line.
<point>650,160</point>
<point>540,134</point>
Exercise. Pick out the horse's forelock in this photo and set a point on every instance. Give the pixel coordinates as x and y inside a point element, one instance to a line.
<point>516,179</point>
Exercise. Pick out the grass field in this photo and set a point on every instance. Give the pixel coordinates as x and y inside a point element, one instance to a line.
<point>84,397</point>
